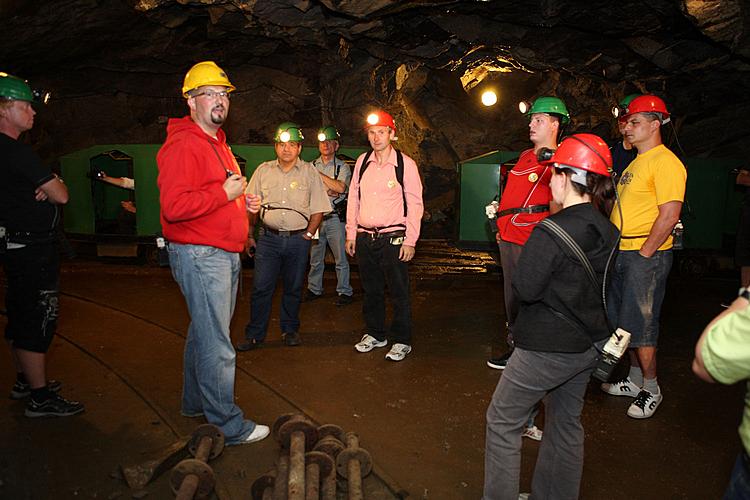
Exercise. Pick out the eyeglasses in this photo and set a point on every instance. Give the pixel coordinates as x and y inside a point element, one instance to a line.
<point>211,94</point>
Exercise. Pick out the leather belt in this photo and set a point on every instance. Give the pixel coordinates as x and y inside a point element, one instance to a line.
<point>533,209</point>
<point>283,234</point>
<point>377,235</point>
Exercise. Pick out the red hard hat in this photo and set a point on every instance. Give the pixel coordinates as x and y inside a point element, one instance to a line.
<point>381,118</point>
<point>648,104</point>
<point>587,152</point>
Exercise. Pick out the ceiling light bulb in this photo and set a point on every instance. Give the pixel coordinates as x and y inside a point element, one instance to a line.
<point>489,98</point>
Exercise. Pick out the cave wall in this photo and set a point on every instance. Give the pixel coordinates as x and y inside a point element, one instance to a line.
<point>116,68</point>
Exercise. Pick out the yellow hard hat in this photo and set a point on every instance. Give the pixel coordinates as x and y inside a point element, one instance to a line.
<point>205,73</point>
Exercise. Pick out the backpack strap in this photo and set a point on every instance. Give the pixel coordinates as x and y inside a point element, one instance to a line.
<point>399,174</point>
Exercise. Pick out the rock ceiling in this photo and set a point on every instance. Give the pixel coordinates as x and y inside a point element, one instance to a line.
<point>115,67</point>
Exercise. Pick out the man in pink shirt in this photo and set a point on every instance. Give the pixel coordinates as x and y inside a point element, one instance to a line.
<point>382,228</point>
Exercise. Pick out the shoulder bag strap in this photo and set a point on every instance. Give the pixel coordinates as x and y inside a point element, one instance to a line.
<point>575,248</point>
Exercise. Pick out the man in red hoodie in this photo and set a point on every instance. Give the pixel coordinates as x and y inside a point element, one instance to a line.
<point>203,218</point>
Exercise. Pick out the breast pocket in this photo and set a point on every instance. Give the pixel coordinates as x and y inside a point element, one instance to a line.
<point>299,195</point>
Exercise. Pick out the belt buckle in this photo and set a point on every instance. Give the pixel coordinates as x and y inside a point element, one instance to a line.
<point>285,234</point>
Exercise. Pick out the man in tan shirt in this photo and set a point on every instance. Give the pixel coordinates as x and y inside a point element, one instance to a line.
<point>293,202</point>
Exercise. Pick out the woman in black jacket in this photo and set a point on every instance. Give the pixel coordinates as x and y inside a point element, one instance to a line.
<point>560,320</point>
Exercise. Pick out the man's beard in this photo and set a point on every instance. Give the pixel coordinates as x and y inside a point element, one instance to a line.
<point>217,119</point>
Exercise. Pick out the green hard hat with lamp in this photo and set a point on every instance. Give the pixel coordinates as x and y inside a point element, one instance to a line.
<point>14,88</point>
<point>546,104</point>
<point>288,132</point>
<point>328,133</point>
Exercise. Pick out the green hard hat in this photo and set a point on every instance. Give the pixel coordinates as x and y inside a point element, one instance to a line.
<point>288,132</point>
<point>328,133</point>
<point>12,87</point>
<point>626,100</point>
<point>551,105</point>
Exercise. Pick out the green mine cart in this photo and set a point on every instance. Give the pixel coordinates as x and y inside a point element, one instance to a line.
<point>710,213</point>
<point>96,211</point>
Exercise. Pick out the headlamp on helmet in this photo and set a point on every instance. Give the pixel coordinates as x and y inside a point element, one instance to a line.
<point>619,110</point>
<point>288,132</point>
<point>548,105</point>
<point>13,88</point>
<point>328,133</point>
<point>380,118</point>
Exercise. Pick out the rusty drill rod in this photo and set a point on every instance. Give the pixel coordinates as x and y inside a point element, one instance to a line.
<point>282,476</point>
<point>312,482</point>
<point>355,471</point>
<point>296,482</point>
<point>191,481</point>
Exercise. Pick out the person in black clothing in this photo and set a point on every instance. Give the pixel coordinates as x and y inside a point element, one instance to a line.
<point>30,195</point>
<point>622,151</point>
<point>560,324</point>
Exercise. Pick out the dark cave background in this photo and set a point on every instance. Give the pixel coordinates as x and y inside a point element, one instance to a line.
<point>115,68</point>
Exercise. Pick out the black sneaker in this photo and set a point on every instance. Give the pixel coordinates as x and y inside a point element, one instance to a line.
<point>501,362</point>
<point>292,339</point>
<point>21,390</point>
<point>55,406</point>
<point>309,295</point>
<point>248,345</point>
<point>344,300</point>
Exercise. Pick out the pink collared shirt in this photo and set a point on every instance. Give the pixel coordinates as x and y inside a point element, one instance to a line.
<point>376,200</point>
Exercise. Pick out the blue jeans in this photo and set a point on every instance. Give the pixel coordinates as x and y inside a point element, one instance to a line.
<point>333,234</point>
<point>739,482</point>
<point>379,266</point>
<point>208,278</point>
<point>636,292</point>
<point>275,256</point>
<point>561,379</point>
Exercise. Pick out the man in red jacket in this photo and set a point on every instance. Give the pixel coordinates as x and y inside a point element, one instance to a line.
<point>526,200</point>
<point>203,218</point>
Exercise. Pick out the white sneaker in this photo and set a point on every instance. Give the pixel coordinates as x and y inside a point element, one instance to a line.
<point>259,433</point>
<point>645,404</point>
<point>624,387</point>
<point>368,343</point>
<point>398,352</point>
<point>533,432</point>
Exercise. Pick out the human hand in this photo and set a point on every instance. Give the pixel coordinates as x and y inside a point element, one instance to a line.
<point>40,195</point>
<point>234,186</point>
<point>252,203</point>
<point>406,253</point>
<point>250,246</point>
<point>350,247</point>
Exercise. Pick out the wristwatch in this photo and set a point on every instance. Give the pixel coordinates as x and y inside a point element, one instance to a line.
<point>744,293</point>
<point>309,234</point>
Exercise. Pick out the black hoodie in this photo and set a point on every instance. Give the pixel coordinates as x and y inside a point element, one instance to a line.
<point>560,309</point>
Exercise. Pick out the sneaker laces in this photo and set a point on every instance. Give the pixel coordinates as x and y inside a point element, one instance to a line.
<point>641,400</point>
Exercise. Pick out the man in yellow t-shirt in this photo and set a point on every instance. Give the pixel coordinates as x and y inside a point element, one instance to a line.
<point>651,191</point>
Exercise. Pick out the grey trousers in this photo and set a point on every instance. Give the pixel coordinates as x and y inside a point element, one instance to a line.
<point>509,255</point>
<point>561,379</point>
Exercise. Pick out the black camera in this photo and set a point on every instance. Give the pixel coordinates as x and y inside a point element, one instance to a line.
<point>339,208</point>
<point>162,252</point>
<point>611,354</point>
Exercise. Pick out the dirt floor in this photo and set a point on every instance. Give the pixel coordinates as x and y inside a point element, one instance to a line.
<point>119,351</point>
